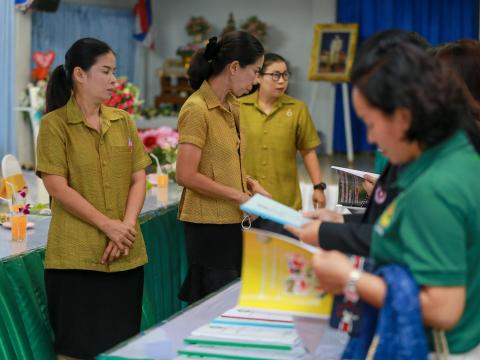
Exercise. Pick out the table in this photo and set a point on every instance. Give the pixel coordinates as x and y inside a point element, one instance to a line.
<point>179,326</point>
<point>324,342</point>
<point>25,332</point>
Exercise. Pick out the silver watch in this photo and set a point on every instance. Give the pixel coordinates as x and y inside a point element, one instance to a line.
<point>350,290</point>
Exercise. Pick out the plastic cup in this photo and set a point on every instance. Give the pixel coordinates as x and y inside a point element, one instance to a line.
<point>19,227</point>
<point>162,180</point>
<point>162,195</point>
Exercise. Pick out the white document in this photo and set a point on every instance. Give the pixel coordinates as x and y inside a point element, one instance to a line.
<point>358,173</point>
<point>273,210</point>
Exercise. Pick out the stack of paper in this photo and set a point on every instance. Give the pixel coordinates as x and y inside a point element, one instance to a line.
<point>246,334</point>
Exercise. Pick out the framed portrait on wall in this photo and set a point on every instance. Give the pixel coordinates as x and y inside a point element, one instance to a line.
<point>333,52</point>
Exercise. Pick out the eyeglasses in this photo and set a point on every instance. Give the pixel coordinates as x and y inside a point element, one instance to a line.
<point>277,74</point>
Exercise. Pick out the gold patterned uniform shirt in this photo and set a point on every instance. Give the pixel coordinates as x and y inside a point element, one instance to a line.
<point>203,122</point>
<point>272,143</point>
<point>99,166</point>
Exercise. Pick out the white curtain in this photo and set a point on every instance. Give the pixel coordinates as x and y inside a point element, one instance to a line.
<point>7,78</point>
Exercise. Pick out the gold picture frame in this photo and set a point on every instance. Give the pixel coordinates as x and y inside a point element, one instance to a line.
<point>333,52</point>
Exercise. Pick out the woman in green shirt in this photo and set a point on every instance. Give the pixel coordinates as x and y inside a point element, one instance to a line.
<point>416,111</point>
<point>92,162</point>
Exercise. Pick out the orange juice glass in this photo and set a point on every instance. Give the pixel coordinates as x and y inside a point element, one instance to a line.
<point>19,227</point>
<point>162,180</point>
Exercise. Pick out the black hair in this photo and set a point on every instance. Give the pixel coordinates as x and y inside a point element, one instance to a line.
<point>384,40</point>
<point>271,58</point>
<point>234,46</point>
<point>83,53</point>
<point>463,58</point>
<point>403,75</point>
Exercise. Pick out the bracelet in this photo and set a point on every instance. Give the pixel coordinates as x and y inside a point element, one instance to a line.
<point>350,291</point>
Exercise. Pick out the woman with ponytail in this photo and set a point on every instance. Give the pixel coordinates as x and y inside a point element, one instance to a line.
<point>210,163</point>
<point>92,162</point>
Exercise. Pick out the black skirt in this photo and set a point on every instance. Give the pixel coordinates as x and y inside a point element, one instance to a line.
<point>214,253</point>
<point>92,311</point>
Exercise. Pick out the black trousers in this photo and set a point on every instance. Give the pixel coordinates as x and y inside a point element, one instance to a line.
<point>91,311</point>
<point>214,254</point>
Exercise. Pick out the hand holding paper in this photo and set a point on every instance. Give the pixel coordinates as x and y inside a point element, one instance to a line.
<point>255,188</point>
<point>273,210</point>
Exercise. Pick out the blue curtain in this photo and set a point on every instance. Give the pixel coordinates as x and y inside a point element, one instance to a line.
<point>58,31</point>
<point>7,78</point>
<point>439,21</point>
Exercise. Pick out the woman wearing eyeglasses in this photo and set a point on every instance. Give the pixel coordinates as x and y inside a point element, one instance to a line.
<point>276,127</point>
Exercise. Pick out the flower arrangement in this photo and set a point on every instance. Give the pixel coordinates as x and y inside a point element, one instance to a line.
<point>20,206</point>
<point>163,143</point>
<point>197,25</point>
<point>126,97</point>
<point>34,95</point>
<point>256,27</point>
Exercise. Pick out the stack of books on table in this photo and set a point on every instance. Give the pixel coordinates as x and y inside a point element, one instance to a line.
<point>245,334</point>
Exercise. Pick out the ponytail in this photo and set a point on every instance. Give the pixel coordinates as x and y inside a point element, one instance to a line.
<point>234,46</point>
<point>200,69</point>
<point>59,89</point>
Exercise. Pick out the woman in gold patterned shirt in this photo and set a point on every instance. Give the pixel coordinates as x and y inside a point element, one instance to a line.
<point>210,163</point>
<point>92,163</point>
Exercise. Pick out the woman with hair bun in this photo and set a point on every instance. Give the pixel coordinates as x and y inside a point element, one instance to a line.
<point>92,162</point>
<point>210,163</point>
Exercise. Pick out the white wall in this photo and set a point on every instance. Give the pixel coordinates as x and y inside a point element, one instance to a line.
<point>23,57</point>
<point>290,33</point>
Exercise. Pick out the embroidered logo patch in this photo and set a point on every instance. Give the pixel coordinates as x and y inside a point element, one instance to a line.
<point>386,217</point>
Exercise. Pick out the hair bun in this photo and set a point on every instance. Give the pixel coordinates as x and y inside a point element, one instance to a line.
<point>211,50</point>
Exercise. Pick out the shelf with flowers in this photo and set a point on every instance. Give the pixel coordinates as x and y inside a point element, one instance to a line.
<point>163,143</point>
<point>126,97</point>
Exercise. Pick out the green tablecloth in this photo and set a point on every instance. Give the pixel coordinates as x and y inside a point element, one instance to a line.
<point>24,329</point>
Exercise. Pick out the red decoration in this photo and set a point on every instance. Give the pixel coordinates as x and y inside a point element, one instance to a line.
<point>43,61</point>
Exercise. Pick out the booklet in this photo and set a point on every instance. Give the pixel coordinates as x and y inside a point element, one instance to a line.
<point>248,314</point>
<point>246,335</point>
<point>351,192</point>
<point>273,210</point>
<point>240,352</point>
<point>277,276</point>
<point>358,173</point>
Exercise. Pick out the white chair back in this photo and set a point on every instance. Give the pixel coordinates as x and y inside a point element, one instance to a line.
<point>13,179</point>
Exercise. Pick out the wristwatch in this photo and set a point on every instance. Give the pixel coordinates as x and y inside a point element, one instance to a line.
<point>320,186</point>
<point>350,290</point>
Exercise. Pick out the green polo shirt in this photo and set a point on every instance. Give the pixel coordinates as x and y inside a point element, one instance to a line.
<point>433,228</point>
<point>272,144</point>
<point>99,166</point>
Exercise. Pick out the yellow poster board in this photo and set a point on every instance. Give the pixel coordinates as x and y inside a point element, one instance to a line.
<point>277,275</point>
